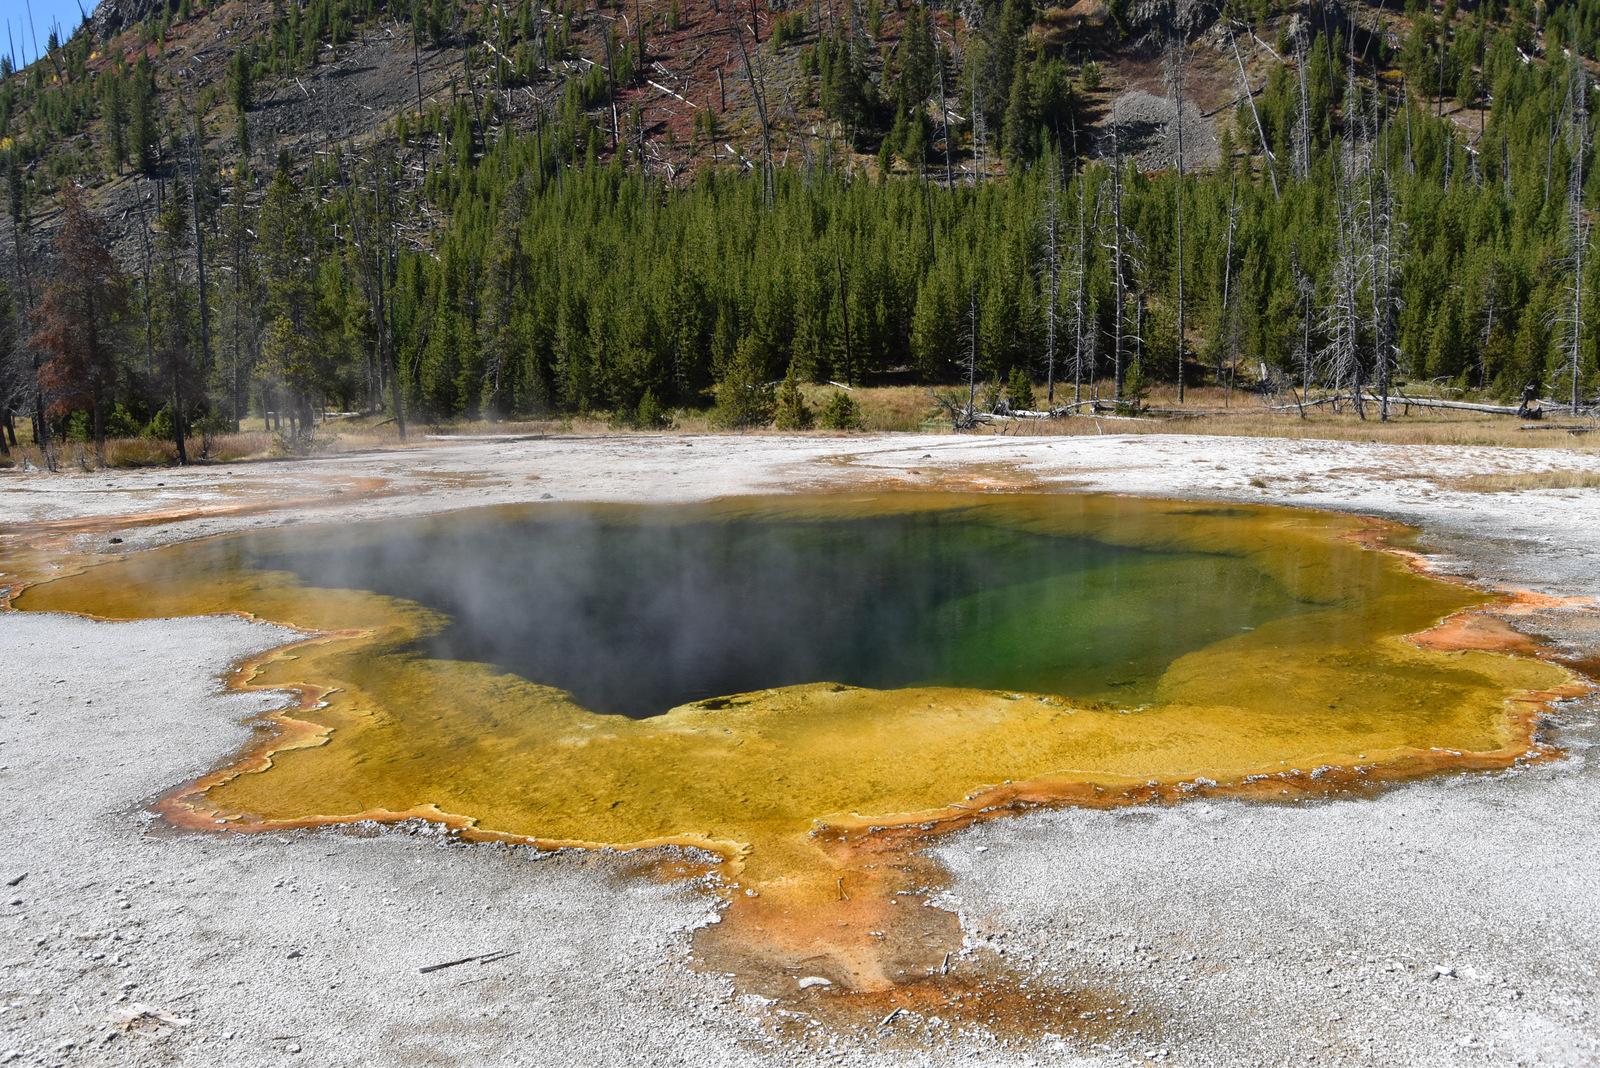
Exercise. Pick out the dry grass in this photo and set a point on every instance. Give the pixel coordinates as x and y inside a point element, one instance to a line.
<point>1533,480</point>
<point>127,452</point>
<point>900,409</point>
<point>1246,415</point>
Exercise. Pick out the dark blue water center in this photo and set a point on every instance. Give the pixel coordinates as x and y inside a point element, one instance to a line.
<point>634,612</point>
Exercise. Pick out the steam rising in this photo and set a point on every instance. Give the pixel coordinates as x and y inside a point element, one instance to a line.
<point>636,611</point>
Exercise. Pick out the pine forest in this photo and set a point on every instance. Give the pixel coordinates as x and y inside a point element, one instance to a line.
<point>436,212</point>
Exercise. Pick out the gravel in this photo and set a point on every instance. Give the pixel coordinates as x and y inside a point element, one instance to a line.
<point>1142,124</point>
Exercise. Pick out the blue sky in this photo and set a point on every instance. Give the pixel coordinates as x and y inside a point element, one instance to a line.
<point>45,14</point>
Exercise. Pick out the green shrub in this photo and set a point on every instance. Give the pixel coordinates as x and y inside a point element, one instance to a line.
<point>1020,391</point>
<point>651,414</point>
<point>841,413</point>
<point>793,413</point>
<point>744,397</point>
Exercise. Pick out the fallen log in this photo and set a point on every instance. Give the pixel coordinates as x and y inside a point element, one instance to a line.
<point>484,437</point>
<point>481,958</point>
<point>1571,428</point>
<point>1184,413</point>
<point>1465,406</point>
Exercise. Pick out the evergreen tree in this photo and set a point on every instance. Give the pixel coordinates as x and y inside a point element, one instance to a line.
<point>79,321</point>
<point>792,412</point>
<point>143,137</point>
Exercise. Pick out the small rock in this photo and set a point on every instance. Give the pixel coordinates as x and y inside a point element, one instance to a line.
<point>16,880</point>
<point>295,953</point>
<point>814,980</point>
<point>293,1047</point>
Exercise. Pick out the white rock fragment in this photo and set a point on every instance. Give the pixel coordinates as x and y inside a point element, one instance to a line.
<point>814,980</point>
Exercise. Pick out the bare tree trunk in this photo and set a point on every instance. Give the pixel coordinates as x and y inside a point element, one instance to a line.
<point>416,66</point>
<point>1080,309</point>
<point>761,110</point>
<point>375,246</point>
<point>19,226</point>
<point>204,294</point>
<point>1301,164</point>
<point>1577,235</point>
<point>1244,87</point>
<point>144,271</point>
<point>1307,299</point>
<point>1052,252</point>
<point>1118,280</point>
<point>979,128</point>
<point>972,346</point>
<point>1227,338</point>
<point>944,110</point>
<point>844,314</point>
<point>1175,76</point>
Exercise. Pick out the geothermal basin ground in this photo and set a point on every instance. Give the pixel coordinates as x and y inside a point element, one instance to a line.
<point>1444,921</point>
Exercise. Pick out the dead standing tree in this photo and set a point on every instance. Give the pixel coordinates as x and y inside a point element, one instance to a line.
<point>1343,312</point>
<point>944,100</point>
<point>1119,244</point>
<point>963,415</point>
<point>1228,341</point>
<point>1050,267</point>
<point>17,200</point>
<point>1300,162</point>
<point>173,356</point>
<point>1306,308</point>
<point>14,384</point>
<point>757,91</point>
<point>1175,86</point>
<point>1569,317</point>
<point>374,222</point>
<point>506,269</point>
<point>1084,313</point>
<point>197,184</point>
<point>1384,257</point>
<point>241,298</point>
<point>1341,320</point>
<point>1267,160</point>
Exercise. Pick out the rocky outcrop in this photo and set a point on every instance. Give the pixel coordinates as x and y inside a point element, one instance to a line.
<point>111,17</point>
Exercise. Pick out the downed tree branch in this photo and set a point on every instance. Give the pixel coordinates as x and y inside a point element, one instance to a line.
<point>669,92</point>
<point>1465,406</point>
<point>481,958</point>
